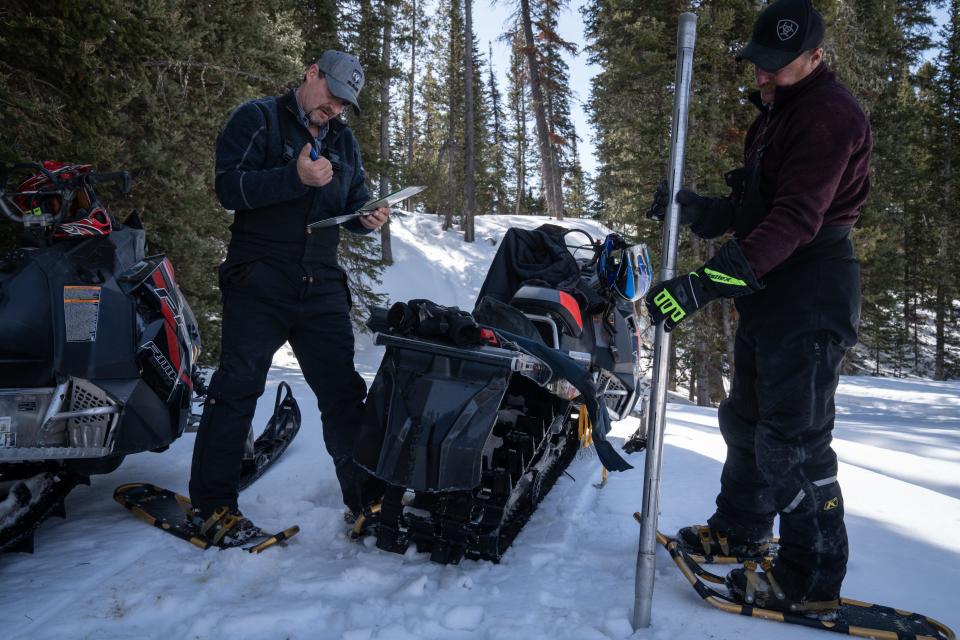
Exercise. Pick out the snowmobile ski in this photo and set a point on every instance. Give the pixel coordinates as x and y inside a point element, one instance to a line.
<point>168,511</point>
<point>278,434</point>
<point>854,617</point>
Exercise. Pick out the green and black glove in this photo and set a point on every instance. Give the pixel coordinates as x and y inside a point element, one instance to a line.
<point>707,217</point>
<point>726,275</point>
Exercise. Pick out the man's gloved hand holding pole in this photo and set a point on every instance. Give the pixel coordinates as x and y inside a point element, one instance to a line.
<point>726,275</point>
<point>706,217</point>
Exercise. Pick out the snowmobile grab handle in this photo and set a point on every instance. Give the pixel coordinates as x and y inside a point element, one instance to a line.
<point>123,177</point>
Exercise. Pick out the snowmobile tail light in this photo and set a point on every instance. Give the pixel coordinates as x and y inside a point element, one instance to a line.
<point>570,304</point>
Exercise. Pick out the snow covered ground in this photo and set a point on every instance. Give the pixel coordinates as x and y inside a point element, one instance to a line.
<point>570,574</point>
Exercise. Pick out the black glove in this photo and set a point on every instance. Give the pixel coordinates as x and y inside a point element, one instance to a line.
<point>727,274</point>
<point>707,217</point>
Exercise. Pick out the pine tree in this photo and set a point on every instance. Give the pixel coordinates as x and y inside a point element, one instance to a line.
<point>496,140</point>
<point>548,162</point>
<point>144,88</point>
<point>386,166</point>
<point>517,139</point>
<point>945,281</point>
<point>558,95</point>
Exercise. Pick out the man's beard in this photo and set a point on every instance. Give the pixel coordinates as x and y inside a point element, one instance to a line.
<point>319,118</point>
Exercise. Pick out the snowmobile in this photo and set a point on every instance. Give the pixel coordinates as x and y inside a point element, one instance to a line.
<point>98,346</point>
<point>472,418</point>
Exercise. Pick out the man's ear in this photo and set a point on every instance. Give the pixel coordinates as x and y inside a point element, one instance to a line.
<point>311,72</point>
<point>817,55</point>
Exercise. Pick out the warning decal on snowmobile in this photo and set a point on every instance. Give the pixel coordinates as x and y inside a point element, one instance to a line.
<point>81,313</point>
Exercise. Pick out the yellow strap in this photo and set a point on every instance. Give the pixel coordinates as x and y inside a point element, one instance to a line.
<point>724,543</point>
<point>585,433</point>
<point>584,428</point>
<point>214,518</point>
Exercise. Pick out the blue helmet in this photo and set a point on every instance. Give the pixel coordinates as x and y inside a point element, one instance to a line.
<point>623,268</point>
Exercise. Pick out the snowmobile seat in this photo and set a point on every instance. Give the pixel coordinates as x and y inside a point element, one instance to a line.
<point>558,305</point>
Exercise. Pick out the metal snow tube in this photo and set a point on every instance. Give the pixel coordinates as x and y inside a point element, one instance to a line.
<point>436,407</point>
<point>647,554</point>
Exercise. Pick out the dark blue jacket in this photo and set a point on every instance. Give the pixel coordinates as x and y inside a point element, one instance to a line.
<point>256,177</point>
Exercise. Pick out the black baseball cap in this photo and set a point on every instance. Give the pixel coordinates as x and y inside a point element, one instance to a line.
<point>781,33</point>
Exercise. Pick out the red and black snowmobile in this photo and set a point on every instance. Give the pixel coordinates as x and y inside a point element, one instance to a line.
<point>473,417</point>
<point>98,346</point>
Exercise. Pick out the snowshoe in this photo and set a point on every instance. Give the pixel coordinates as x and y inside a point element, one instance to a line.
<point>276,437</point>
<point>851,617</point>
<point>171,512</point>
<point>708,546</point>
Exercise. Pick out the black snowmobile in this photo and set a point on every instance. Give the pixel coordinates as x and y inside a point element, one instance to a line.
<point>98,347</point>
<point>473,417</point>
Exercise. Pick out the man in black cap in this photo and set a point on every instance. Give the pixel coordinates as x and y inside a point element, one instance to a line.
<point>790,265</point>
<point>281,164</point>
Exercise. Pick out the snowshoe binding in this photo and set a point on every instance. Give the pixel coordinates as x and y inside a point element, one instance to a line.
<point>225,527</point>
<point>760,589</point>
<point>710,546</point>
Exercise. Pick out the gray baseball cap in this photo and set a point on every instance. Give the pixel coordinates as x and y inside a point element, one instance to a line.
<point>344,75</point>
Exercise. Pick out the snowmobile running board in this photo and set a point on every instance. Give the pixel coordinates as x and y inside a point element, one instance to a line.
<point>854,617</point>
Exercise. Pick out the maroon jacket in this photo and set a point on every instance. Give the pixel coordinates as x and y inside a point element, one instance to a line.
<point>814,154</point>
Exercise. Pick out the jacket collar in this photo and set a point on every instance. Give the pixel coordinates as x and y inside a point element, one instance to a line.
<point>785,95</point>
<point>288,102</point>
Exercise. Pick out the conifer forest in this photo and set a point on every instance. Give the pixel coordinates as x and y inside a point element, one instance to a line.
<point>145,87</point>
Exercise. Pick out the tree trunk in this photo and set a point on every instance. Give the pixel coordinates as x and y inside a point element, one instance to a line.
<point>468,231</point>
<point>943,259</point>
<point>386,250</point>
<point>551,182</point>
<point>411,123</point>
<point>521,154</point>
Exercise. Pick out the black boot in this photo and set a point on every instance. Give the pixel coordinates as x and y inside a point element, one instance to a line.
<point>701,540</point>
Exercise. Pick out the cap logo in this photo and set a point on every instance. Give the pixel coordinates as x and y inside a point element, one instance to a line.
<point>355,79</point>
<point>786,29</point>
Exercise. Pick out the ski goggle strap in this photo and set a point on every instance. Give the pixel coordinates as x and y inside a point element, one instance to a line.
<point>611,259</point>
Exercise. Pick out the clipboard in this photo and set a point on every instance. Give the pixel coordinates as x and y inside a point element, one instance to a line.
<point>387,201</point>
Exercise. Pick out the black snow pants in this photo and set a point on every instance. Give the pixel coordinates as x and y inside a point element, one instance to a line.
<point>265,304</point>
<point>778,419</point>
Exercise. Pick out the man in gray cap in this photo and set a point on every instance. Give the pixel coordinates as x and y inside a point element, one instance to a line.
<point>791,268</point>
<point>283,163</point>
